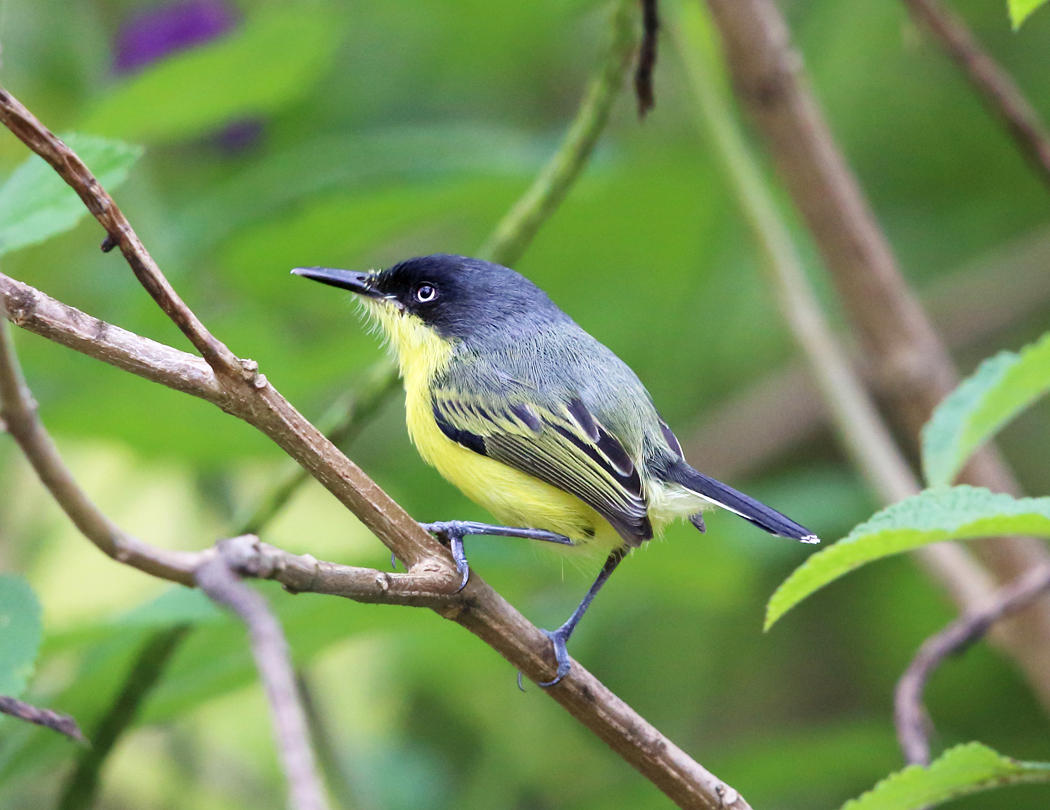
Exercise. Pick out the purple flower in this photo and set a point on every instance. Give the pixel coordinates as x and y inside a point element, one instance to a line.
<point>157,32</point>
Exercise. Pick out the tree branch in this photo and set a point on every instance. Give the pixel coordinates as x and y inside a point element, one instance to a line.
<point>62,723</point>
<point>119,232</point>
<point>908,712</point>
<point>478,608</point>
<point>901,346</point>
<point>270,650</point>
<point>990,80</point>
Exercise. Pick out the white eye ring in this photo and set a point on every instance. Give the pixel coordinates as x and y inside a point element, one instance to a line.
<point>425,293</point>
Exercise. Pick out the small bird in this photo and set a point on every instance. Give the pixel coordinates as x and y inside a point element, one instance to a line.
<point>534,419</point>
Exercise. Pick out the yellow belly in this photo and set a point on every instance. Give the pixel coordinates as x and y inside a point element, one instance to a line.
<point>513,497</point>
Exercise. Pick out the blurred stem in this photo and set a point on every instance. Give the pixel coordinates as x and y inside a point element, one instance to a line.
<point>144,673</point>
<point>328,755</point>
<point>865,438</point>
<point>341,422</point>
<point>517,229</point>
<point>990,81</point>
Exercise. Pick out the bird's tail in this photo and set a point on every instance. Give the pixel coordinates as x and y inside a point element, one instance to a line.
<point>737,502</point>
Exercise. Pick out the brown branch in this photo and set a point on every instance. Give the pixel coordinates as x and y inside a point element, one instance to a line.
<point>899,343</point>
<point>62,723</point>
<point>910,718</point>
<point>18,410</point>
<point>428,583</point>
<point>71,168</point>
<point>990,80</point>
<point>270,650</point>
<point>481,610</point>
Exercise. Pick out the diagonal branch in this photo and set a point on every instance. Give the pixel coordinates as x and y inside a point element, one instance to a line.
<point>428,583</point>
<point>990,80</point>
<point>62,723</point>
<point>478,608</point>
<point>71,168</point>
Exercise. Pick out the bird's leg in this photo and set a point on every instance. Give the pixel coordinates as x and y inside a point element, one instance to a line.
<point>453,532</point>
<point>560,637</point>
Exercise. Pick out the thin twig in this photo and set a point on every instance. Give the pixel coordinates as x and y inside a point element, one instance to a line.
<point>990,80</point>
<point>477,608</point>
<point>82,784</point>
<point>643,70</point>
<point>910,718</point>
<point>71,168</point>
<point>899,342</point>
<point>519,226</point>
<point>56,721</point>
<point>270,650</point>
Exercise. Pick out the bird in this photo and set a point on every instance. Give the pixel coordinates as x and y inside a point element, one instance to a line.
<point>533,418</point>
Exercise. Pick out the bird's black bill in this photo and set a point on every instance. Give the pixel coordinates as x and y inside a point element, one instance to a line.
<point>353,280</point>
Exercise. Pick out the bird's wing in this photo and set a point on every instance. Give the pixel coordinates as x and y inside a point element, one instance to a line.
<point>557,440</point>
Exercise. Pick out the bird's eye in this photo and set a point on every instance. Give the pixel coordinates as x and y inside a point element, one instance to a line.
<point>425,293</point>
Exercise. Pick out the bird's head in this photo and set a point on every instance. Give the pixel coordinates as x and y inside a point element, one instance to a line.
<point>453,297</point>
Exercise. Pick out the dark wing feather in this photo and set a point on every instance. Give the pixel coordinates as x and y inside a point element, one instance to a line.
<point>559,443</point>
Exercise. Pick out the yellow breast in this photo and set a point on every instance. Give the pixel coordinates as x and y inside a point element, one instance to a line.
<point>513,497</point>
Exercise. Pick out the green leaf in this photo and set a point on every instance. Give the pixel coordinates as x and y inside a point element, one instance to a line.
<point>1002,387</point>
<point>959,771</point>
<point>270,62</point>
<point>36,204</point>
<point>20,632</point>
<point>1020,10</point>
<point>956,513</point>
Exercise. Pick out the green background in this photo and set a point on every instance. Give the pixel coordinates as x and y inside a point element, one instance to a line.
<point>395,129</point>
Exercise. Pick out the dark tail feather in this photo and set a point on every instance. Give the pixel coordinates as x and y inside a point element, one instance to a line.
<point>747,507</point>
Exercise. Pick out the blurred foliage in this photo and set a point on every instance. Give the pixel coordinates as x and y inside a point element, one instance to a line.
<point>411,127</point>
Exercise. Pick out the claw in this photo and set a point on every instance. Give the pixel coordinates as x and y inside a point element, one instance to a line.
<point>455,544</point>
<point>561,655</point>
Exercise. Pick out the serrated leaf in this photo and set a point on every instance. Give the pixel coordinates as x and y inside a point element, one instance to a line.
<point>1002,387</point>
<point>1021,10</point>
<point>20,632</point>
<point>959,771</point>
<point>271,61</point>
<point>934,515</point>
<point>36,204</point>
